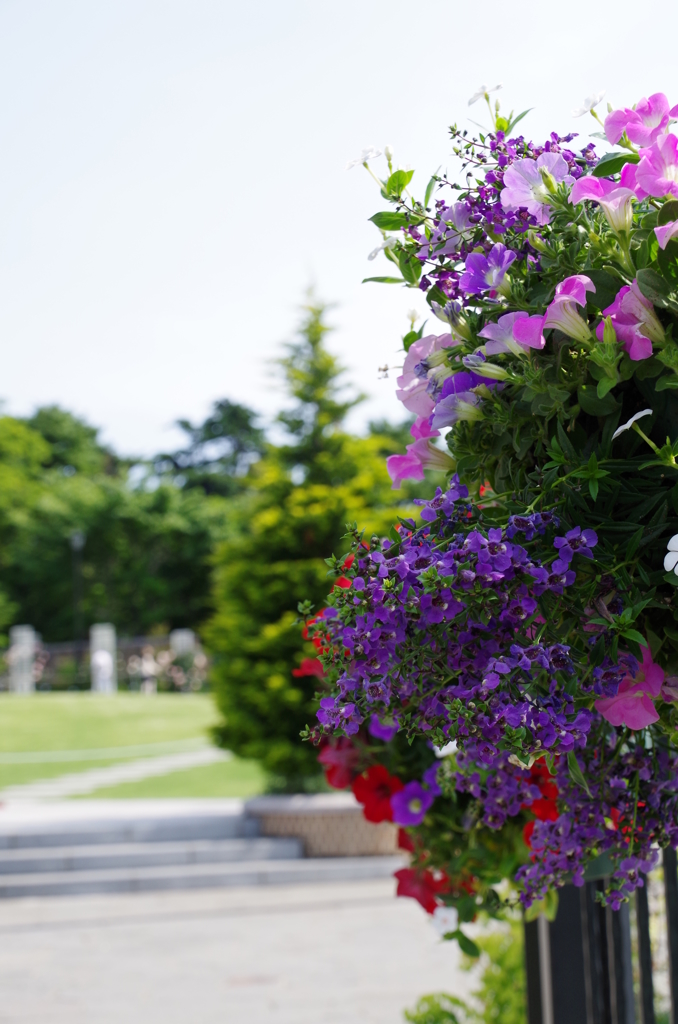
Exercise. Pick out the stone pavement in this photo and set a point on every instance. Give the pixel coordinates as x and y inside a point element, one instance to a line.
<point>337,953</point>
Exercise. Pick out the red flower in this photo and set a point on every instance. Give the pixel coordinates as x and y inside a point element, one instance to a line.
<point>374,790</point>
<point>422,886</point>
<point>527,834</point>
<point>545,810</point>
<point>348,561</point>
<point>405,841</point>
<point>339,760</point>
<point>309,667</point>
<point>342,582</point>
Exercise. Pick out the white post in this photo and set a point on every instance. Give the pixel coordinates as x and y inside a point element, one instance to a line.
<point>103,651</point>
<point>22,640</point>
<point>182,641</point>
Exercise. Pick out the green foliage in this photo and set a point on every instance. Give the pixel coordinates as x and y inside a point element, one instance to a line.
<point>219,451</point>
<point>281,532</point>
<point>73,445</point>
<point>147,555</point>
<point>501,997</point>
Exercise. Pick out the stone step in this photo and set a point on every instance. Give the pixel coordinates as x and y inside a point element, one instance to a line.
<point>198,876</point>
<point>92,856</point>
<point>83,823</point>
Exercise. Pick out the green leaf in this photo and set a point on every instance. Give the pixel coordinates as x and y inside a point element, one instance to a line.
<point>612,163</point>
<point>633,634</point>
<point>511,125</point>
<point>466,945</point>
<point>397,182</point>
<point>410,267</point>
<point>667,260</point>
<point>384,280</point>
<point>606,287</point>
<point>434,294</point>
<point>565,444</point>
<point>590,402</point>
<point>653,286</point>
<point>670,381</point>
<point>429,188</point>
<point>668,212</point>
<point>576,773</point>
<point>389,220</point>
<point>605,385</point>
<point>593,488</point>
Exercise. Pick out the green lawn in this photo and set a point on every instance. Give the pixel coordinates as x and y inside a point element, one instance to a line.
<point>47,722</point>
<point>228,778</point>
<point>84,721</point>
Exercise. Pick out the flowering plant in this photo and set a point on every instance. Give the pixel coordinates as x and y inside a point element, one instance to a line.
<point>509,660</point>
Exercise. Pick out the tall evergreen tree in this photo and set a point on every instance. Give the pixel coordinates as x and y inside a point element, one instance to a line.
<point>302,496</point>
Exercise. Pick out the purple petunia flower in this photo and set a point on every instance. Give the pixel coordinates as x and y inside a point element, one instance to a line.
<point>501,336</point>
<point>486,273</point>
<point>411,803</point>
<point>525,188</point>
<point>576,540</point>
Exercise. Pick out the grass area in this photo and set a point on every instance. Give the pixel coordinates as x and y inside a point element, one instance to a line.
<point>84,721</point>
<point>50,722</point>
<point>226,778</point>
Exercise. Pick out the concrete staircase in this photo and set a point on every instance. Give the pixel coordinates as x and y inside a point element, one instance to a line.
<point>79,847</point>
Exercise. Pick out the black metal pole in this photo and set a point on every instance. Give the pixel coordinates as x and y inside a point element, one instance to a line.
<point>671,893</point>
<point>644,955</point>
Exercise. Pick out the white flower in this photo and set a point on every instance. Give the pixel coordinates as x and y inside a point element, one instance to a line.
<point>388,152</point>
<point>367,154</point>
<point>589,103</point>
<point>482,90</point>
<point>445,919</point>
<point>412,315</point>
<point>449,748</point>
<point>629,423</point>
<point>388,243</point>
<point>671,559</point>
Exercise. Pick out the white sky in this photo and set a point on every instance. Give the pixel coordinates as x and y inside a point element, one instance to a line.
<point>173,178</point>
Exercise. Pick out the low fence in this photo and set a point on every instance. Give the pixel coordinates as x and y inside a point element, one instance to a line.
<point>593,965</point>
<point>146,663</point>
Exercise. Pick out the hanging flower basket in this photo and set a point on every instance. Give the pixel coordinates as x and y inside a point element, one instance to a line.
<point>511,659</point>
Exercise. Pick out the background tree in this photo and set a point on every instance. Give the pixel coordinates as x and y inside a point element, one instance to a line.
<point>302,496</point>
<point>219,451</point>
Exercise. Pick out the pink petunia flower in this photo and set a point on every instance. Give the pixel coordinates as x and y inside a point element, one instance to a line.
<point>633,705</point>
<point>657,172</point>
<point>503,339</point>
<point>614,201</point>
<point>421,455</point>
<point>524,186</point>
<point>562,313</point>
<point>643,124</point>
<point>413,382</point>
<point>666,232</point>
<point>635,322</point>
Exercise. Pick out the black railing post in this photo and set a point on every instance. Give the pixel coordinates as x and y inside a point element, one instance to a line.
<point>621,966</point>
<point>671,893</point>
<point>644,955</point>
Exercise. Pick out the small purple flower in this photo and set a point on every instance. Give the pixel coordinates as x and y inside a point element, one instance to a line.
<point>486,273</point>
<point>411,804</point>
<point>430,779</point>
<point>382,730</point>
<point>577,540</point>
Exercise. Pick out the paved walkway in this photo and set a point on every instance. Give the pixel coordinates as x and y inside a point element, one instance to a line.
<point>341,953</point>
<point>82,783</point>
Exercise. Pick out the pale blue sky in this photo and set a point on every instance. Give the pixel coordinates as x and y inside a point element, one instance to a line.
<point>173,177</point>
